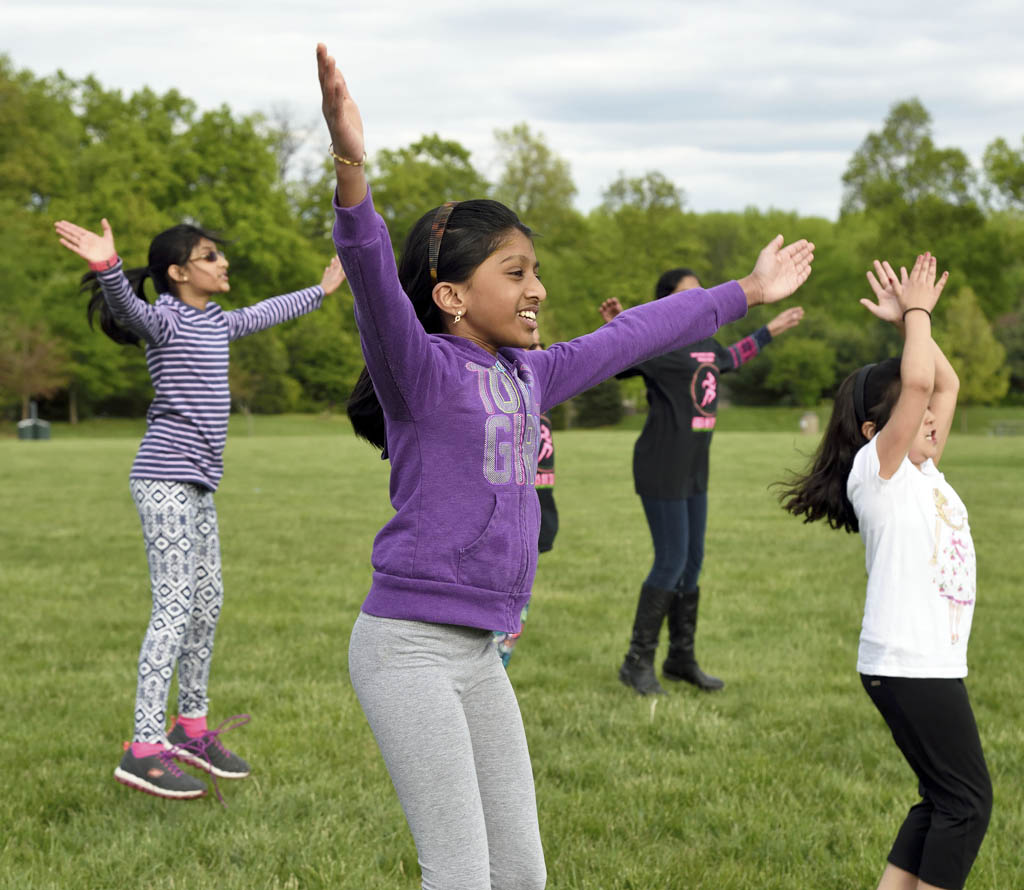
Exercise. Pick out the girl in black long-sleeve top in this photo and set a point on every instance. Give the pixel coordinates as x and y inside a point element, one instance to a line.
<point>670,471</point>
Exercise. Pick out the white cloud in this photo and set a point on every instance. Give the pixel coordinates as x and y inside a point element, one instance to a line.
<point>740,103</point>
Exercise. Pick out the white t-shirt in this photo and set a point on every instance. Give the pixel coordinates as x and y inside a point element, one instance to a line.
<point>921,570</point>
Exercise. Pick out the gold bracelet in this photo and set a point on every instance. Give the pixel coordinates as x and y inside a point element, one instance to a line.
<point>340,160</point>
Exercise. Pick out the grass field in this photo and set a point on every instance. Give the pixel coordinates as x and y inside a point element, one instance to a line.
<point>786,779</point>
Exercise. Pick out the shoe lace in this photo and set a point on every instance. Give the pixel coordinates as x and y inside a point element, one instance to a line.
<point>167,759</point>
<point>210,738</point>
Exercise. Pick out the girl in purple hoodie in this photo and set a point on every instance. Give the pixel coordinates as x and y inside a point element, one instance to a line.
<point>451,394</point>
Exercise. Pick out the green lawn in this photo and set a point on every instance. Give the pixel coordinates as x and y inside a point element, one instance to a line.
<point>786,779</point>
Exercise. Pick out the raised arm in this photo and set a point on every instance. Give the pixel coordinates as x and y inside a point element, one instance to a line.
<point>911,297</point>
<point>742,351</point>
<point>266,313</point>
<point>129,310</point>
<point>669,323</point>
<point>395,345</point>
<point>883,281</point>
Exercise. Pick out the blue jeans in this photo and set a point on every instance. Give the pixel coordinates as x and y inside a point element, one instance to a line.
<point>677,531</point>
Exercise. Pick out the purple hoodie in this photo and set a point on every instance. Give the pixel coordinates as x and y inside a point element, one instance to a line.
<point>463,431</point>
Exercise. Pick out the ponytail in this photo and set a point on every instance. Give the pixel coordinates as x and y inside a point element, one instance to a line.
<point>172,247</point>
<point>820,492</point>
<point>98,305</point>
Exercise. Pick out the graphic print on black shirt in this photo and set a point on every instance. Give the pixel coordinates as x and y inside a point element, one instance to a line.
<point>670,459</point>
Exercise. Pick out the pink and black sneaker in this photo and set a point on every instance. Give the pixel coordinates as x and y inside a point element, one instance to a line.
<point>158,775</point>
<point>206,752</point>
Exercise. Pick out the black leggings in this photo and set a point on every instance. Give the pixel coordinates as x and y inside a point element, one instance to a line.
<point>933,725</point>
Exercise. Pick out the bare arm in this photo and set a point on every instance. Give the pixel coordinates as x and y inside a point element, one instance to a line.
<point>915,291</point>
<point>346,128</point>
<point>944,396</point>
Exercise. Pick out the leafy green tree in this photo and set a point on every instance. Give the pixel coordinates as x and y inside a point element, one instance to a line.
<point>1004,168</point>
<point>537,185</point>
<point>32,363</point>
<point>922,197</point>
<point>407,182</point>
<point>978,358</point>
<point>802,370</point>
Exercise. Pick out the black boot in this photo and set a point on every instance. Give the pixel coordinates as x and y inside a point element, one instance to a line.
<point>637,670</point>
<point>681,663</point>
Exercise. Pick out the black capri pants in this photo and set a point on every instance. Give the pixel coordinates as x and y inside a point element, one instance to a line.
<point>933,725</point>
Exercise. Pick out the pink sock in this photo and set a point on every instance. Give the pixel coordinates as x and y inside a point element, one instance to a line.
<point>194,726</point>
<point>146,749</point>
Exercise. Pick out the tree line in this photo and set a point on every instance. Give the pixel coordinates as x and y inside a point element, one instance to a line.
<point>74,149</point>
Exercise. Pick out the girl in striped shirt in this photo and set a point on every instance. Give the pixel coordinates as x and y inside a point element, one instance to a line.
<point>176,471</point>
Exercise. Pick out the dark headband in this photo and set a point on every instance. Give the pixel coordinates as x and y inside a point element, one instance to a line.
<point>437,233</point>
<point>858,394</point>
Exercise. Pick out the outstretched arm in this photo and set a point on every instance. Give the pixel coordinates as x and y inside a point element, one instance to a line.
<point>401,362</point>
<point>129,310</point>
<point>267,313</point>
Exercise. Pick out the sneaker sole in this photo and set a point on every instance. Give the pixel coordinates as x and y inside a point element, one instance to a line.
<point>205,765</point>
<point>133,781</point>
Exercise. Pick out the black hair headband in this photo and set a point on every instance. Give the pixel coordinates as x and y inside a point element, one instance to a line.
<point>858,393</point>
<point>437,233</point>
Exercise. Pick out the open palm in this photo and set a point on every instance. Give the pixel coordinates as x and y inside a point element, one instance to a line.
<point>333,276</point>
<point>781,270</point>
<point>88,245</point>
<point>884,282</point>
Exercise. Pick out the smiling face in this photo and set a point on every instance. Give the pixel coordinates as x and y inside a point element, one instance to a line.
<point>502,297</point>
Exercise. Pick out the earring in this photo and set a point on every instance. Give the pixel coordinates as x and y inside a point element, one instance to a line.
<point>458,317</point>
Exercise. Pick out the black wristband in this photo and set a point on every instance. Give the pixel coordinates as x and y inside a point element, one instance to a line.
<point>919,309</point>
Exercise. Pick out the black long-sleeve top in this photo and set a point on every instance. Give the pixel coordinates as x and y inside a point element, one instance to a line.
<point>670,459</point>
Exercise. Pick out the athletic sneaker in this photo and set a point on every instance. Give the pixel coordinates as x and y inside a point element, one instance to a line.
<point>206,752</point>
<point>159,775</point>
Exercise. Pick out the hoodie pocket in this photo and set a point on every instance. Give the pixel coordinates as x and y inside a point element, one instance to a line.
<point>494,560</point>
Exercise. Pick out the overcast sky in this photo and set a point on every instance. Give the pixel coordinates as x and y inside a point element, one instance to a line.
<point>739,103</point>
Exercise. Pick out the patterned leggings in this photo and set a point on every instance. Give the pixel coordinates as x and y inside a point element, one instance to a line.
<point>179,525</point>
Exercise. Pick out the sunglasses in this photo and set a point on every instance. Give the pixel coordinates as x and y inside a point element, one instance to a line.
<point>211,256</point>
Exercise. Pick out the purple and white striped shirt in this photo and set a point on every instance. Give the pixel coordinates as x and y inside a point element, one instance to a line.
<point>187,355</point>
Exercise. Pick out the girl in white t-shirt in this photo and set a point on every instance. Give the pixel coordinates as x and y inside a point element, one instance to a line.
<point>876,471</point>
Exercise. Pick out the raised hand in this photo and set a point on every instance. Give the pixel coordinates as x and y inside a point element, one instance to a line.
<point>785,320</point>
<point>883,282</point>
<point>88,245</point>
<point>333,276</point>
<point>778,271</point>
<point>918,289</point>
<point>610,308</point>
<point>339,108</point>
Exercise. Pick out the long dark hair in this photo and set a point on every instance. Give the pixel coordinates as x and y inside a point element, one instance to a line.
<point>820,493</point>
<point>669,280</point>
<point>172,247</point>
<point>474,231</point>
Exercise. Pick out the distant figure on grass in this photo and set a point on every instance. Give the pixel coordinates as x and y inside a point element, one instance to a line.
<point>545,484</point>
<point>175,474</point>
<point>670,473</point>
<point>452,394</point>
<point>876,471</point>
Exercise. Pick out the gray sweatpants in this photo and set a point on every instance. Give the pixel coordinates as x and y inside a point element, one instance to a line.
<point>447,722</point>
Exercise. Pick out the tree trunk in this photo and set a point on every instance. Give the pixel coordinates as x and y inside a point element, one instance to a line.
<point>24,407</point>
<point>72,405</point>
